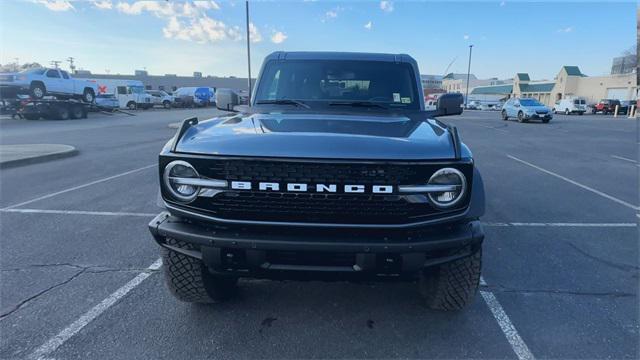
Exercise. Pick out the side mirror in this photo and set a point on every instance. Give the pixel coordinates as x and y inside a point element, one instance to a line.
<point>227,99</point>
<point>449,104</point>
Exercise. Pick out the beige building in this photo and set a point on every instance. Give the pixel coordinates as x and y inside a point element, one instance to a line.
<point>570,82</point>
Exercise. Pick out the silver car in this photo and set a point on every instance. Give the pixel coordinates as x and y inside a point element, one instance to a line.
<point>525,109</point>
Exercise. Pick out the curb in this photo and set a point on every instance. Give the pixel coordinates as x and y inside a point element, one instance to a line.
<point>66,151</point>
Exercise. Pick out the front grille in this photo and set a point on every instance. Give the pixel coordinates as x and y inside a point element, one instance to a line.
<point>541,112</point>
<point>310,207</point>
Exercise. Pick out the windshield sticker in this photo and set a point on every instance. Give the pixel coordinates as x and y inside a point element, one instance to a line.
<point>396,97</point>
<point>406,100</point>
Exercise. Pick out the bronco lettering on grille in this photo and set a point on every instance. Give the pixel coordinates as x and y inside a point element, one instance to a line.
<point>319,188</point>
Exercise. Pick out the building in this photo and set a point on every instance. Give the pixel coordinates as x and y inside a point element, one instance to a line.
<point>458,82</point>
<point>570,82</point>
<point>170,82</point>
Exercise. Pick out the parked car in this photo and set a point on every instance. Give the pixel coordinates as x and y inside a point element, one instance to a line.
<point>161,98</point>
<point>525,109</point>
<point>605,106</point>
<point>625,106</point>
<point>107,102</point>
<point>485,107</point>
<point>498,106</point>
<point>202,96</point>
<point>41,82</point>
<point>570,106</point>
<point>130,93</point>
<point>473,105</point>
<point>430,105</point>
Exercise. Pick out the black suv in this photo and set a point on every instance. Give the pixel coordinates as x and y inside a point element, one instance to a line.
<point>334,171</point>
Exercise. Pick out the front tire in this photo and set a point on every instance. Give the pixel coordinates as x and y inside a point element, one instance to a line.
<point>567,112</point>
<point>521,117</point>
<point>504,115</point>
<point>452,286</point>
<point>189,280</point>
<point>166,104</point>
<point>131,105</point>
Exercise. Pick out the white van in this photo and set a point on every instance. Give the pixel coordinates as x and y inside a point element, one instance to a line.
<point>130,93</point>
<point>570,105</point>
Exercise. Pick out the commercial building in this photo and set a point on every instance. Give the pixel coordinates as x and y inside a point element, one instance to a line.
<point>458,82</point>
<point>570,82</point>
<point>170,82</point>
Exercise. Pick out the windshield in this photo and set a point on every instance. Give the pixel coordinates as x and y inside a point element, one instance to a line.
<point>529,102</point>
<point>137,89</point>
<point>386,83</point>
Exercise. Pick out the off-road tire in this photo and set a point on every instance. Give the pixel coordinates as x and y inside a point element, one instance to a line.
<point>452,286</point>
<point>37,90</point>
<point>504,115</point>
<point>189,280</point>
<point>88,96</point>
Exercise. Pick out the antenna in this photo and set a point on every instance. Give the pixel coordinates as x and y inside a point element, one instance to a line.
<point>451,63</point>
<point>248,52</point>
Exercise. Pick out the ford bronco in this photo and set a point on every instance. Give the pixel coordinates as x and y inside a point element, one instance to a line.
<point>333,171</point>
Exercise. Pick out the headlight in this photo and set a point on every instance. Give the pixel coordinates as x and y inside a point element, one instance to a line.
<point>174,175</point>
<point>451,177</point>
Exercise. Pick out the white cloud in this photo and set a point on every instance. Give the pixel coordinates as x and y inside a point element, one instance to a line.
<point>331,14</point>
<point>386,6</point>
<point>368,25</point>
<point>202,30</point>
<point>207,5</point>
<point>503,3</point>
<point>56,5</point>
<point>278,37</point>
<point>568,29</point>
<point>103,4</point>
<point>254,33</point>
<point>466,36</point>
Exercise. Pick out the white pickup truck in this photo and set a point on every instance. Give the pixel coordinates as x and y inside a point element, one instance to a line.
<point>40,82</point>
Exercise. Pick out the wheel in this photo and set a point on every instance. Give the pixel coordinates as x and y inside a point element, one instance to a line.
<point>567,112</point>
<point>37,90</point>
<point>521,117</point>
<point>131,105</point>
<point>31,116</point>
<point>77,112</point>
<point>189,280</point>
<point>61,112</point>
<point>88,96</point>
<point>452,286</point>
<point>504,115</point>
<point>166,104</point>
<point>593,111</point>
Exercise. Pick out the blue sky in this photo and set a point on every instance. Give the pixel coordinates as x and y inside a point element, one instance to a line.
<point>171,37</point>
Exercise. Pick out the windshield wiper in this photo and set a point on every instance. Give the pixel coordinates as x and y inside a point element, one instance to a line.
<point>284,102</point>
<point>357,104</point>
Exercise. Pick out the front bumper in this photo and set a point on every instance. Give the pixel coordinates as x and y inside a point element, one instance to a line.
<point>263,252</point>
<point>538,116</point>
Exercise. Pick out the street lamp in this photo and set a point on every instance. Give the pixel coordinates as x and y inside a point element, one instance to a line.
<point>466,98</point>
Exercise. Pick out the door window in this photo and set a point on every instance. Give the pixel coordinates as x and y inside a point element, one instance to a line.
<point>65,74</point>
<point>53,74</point>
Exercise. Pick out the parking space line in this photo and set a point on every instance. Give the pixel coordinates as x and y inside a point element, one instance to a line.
<point>559,224</point>
<point>55,342</point>
<point>77,212</point>
<point>625,159</point>
<point>585,187</point>
<point>517,344</point>
<point>79,187</point>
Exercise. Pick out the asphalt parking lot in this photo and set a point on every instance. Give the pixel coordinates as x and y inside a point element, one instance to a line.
<point>80,273</point>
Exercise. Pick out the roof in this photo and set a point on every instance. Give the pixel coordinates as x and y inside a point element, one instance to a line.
<point>338,55</point>
<point>523,77</point>
<point>454,76</point>
<point>495,89</point>
<point>536,88</point>
<point>573,71</point>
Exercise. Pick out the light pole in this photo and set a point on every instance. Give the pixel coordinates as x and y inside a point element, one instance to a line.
<point>466,98</point>
<point>248,51</point>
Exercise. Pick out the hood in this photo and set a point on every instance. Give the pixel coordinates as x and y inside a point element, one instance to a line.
<point>537,108</point>
<point>323,136</point>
